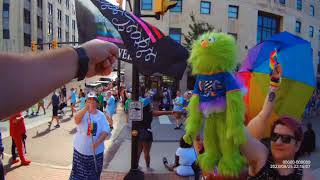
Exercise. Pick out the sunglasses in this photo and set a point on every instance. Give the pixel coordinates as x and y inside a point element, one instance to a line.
<point>284,138</point>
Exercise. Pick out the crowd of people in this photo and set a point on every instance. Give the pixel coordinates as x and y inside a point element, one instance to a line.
<point>93,117</point>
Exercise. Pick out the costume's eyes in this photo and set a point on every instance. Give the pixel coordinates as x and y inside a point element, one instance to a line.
<point>212,39</point>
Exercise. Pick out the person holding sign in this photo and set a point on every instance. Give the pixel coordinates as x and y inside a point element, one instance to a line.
<point>92,130</point>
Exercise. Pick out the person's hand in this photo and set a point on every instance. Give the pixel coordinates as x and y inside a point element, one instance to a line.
<point>275,77</point>
<point>95,145</point>
<point>101,57</point>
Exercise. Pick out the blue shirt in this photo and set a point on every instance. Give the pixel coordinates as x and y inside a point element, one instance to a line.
<point>73,97</point>
<point>178,103</point>
<point>111,105</point>
<point>209,87</point>
<point>82,103</point>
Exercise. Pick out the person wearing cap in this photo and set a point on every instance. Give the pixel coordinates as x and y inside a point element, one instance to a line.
<point>92,130</point>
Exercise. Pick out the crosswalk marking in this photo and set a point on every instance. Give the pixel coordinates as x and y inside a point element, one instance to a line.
<point>164,119</point>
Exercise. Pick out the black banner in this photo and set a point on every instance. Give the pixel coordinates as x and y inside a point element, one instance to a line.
<point>139,42</point>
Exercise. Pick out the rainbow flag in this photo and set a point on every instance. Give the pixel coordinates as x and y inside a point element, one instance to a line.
<point>273,59</point>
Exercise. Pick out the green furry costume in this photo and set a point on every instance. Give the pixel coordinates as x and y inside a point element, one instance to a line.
<point>217,100</point>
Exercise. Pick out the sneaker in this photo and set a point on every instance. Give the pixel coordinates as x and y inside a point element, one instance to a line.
<point>176,128</point>
<point>164,160</point>
<point>57,126</point>
<point>25,162</point>
<point>180,125</point>
<point>15,161</point>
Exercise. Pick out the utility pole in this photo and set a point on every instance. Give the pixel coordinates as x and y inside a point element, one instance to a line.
<point>134,172</point>
<point>161,7</point>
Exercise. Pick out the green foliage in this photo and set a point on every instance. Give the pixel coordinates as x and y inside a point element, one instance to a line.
<point>197,28</point>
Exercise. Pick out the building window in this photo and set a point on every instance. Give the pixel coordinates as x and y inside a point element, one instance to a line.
<point>27,39</point>
<point>73,24</point>
<point>6,20</point>
<point>59,33</point>
<point>268,25</point>
<point>175,34</point>
<point>67,36</point>
<point>40,45</point>
<point>39,22</point>
<point>6,34</point>
<point>283,2</point>
<point>50,29</point>
<point>311,29</point>
<point>178,7</point>
<point>311,13</point>
<point>50,8</point>
<point>59,15</point>
<point>233,11</point>
<point>39,4</point>
<point>298,26</point>
<point>67,21</point>
<point>26,14</point>
<point>205,7</point>
<point>5,12</point>
<point>74,39</point>
<point>299,4</point>
<point>68,4</point>
<point>146,4</point>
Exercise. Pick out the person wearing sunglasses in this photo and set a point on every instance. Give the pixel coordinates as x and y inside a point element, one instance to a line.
<point>278,159</point>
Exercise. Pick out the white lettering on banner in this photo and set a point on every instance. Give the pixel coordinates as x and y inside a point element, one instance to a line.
<point>124,54</point>
<point>141,44</point>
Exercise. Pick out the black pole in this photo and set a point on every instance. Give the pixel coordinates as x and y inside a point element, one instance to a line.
<point>119,78</point>
<point>135,173</point>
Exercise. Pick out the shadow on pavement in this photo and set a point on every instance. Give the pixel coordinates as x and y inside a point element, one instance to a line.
<point>73,131</point>
<point>9,167</point>
<point>65,120</point>
<point>46,131</point>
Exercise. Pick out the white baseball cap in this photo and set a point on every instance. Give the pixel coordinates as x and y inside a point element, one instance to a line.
<point>92,94</point>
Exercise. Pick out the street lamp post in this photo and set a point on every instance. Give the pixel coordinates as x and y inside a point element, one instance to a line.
<point>134,172</point>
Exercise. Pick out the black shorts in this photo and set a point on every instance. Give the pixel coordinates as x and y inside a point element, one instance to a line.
<point>145,135</point>
<point>55,110</point>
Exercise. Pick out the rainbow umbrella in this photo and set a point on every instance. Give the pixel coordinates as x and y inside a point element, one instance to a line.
<point>298,78</point>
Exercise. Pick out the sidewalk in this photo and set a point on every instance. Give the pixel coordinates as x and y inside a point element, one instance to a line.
<point>51,151</point>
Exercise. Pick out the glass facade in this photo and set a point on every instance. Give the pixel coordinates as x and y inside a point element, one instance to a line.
<point>268,25</point>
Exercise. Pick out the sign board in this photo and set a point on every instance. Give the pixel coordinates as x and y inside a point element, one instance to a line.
<point>136,111</point>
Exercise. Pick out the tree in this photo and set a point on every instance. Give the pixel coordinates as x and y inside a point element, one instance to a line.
<point>196,29</point>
